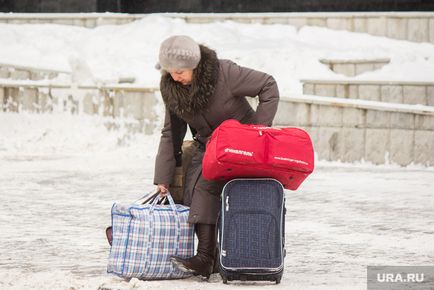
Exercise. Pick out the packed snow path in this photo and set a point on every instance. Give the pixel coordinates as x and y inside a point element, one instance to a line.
<point>53,212</point>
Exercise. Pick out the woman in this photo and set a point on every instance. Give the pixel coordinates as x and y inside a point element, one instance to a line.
<point>202,91</point>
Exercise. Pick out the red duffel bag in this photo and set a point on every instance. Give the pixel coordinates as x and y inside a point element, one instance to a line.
<point>238,150</point>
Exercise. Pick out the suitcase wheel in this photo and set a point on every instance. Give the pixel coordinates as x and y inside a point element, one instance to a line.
<point>225,280</point>
<point>278,280</point>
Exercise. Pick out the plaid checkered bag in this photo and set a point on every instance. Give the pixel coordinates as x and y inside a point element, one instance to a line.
<point>146,235</point>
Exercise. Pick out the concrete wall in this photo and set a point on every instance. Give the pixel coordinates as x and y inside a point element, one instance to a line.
<point>88,20</point>
<point>108,102</point>
<point>354,134</point>
<point>386,91</point>
<point>15,72</point>
<point>339,131</point>
<point>412,26</point>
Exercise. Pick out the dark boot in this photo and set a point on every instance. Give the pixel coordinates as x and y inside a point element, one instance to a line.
<point>203,262</point>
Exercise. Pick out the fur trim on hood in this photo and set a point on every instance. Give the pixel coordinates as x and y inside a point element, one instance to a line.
<point>185,101</point>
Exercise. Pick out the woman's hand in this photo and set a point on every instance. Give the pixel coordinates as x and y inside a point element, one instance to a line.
<point>163,189</point>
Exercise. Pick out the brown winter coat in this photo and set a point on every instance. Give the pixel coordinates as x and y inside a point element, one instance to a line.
<point>217,93</point>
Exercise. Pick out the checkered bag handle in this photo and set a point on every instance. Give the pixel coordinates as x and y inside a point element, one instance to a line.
<point>159,198</point>
<point>149,197</point>
<point>173,206</point>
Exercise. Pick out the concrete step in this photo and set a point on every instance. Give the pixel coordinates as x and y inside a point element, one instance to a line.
<point>353,67</point>
<point>341,129</point>
<point>355,130</point>
<point>412,26</point>
<point>384,91</point>
<point>117,100</point>
<point>26,72</point>
<point>89,20</point>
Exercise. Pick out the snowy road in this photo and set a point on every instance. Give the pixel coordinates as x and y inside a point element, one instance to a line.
<point>53,212</point>
<point>60,173</point>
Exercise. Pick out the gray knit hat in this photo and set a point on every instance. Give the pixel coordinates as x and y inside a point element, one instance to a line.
<point>178,52</point>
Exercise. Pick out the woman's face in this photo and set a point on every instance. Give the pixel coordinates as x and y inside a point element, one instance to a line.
<point>184,76</point>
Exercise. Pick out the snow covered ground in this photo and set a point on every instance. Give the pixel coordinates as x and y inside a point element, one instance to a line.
<point>60,174</point>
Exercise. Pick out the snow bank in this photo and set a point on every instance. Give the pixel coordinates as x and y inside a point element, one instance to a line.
<point>131,50</point>
<point>28,134</point>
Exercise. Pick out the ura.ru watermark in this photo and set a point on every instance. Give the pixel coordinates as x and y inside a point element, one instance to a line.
<point>400,277</point>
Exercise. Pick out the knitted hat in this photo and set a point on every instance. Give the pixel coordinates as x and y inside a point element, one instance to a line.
<point>178,52</point>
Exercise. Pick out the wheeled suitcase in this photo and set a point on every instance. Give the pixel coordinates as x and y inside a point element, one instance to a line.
<point>251,233</point>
